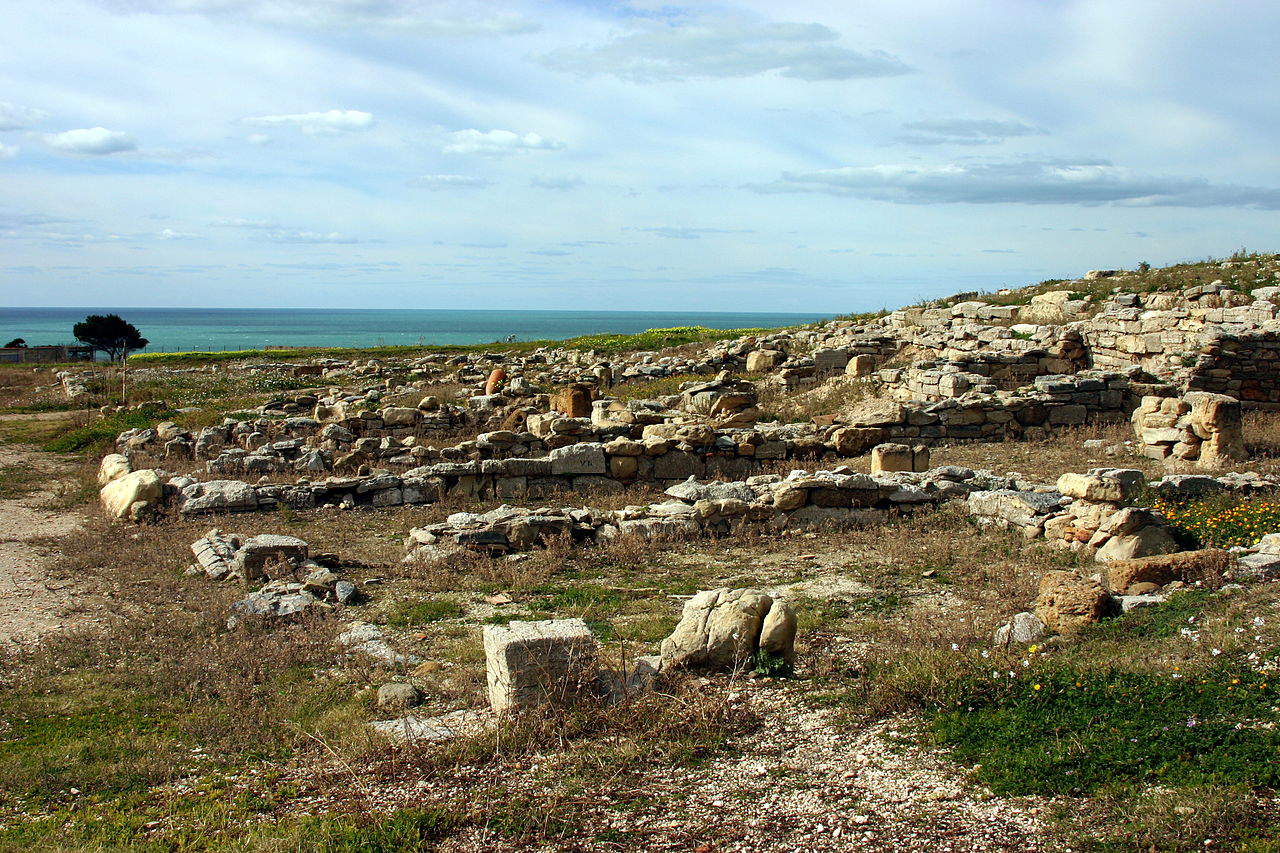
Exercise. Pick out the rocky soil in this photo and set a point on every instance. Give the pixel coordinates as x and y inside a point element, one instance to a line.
<point>31,600</point>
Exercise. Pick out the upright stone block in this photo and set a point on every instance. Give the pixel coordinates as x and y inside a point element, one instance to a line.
<point>534,663</point>
<point>574,400</point>
<point>861,365</point>
<point>920,457</point>
<point>888,458</point>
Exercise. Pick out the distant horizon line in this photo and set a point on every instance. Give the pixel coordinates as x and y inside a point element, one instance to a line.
<point>452,310</point>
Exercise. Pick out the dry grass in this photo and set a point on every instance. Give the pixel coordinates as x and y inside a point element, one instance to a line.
<point>833,397</point>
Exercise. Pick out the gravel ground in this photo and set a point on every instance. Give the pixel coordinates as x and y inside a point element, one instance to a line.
<point>32,602</point>
<point>801,781</point>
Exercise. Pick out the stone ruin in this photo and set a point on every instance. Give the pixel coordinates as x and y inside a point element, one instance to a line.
<point>289,581</point>
<point>1198,427</point>
<point>530,664</point>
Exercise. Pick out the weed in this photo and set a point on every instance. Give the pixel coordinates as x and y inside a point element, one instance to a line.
<point>408,612</point>
<point>1058,729</point>
<point>1222,520</point>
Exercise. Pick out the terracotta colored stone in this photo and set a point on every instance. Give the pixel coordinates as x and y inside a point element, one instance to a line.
<point>574,401</point>
<point>496,377</point>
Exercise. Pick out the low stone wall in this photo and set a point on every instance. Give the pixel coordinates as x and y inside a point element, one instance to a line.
<point>706,508</point>
<point>1035,412</point>
<point>582,467</point>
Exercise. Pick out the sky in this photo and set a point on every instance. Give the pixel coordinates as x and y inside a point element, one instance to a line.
<point>586,154</point>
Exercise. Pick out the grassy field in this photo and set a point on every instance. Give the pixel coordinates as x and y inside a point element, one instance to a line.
<point>653,339</point>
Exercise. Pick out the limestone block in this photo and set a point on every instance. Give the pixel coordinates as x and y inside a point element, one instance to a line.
<point>113,466</point>
<point>830,360</point>
<point>761,360</point>
<point>529,664</point>
<point>1144,542</point>
<point>1022,628</point>
<point>1188,567</point>
<point>397,416</point>
<point>725,628</point>
<point>861,366</point>
<point>887,458</point>
<point>574,400</point>
<point>1068,601</point>
<point>854,441</point>
<point>120,495</point>
<point>258,552</point>
<point>585,457</point>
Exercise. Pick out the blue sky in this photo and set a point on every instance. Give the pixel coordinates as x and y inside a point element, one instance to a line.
<point>806,156</point>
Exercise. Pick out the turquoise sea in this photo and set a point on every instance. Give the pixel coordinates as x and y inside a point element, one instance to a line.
<point>175,329</point>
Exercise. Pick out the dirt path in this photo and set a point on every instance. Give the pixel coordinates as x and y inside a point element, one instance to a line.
<point>31,600</point>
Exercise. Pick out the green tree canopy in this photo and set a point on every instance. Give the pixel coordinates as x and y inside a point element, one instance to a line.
<point>110,333</point>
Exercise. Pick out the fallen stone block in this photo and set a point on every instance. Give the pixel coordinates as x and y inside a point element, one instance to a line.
<point>1069,602</point>
<point>726,629</point>
<point>256,553</point>
<point>1023,628</point>
<point>1160,569</point>
<point>129,495</point>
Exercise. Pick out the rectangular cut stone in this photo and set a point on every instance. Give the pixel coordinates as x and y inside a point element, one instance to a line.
<point>583,458</point>
<point>533,663</point>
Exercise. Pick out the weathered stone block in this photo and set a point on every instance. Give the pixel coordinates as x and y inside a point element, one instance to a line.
<point>535,663</point>
<point>585,457</point>
<point>887,458</point>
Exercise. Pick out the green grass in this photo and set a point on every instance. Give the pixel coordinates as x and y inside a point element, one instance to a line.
<point>652,339</point>
<point>101,434</point>
<point>1058,730</point>
<point>585,597</point>
<point>1165,279</point>
<point>650,389</point>
<point>1157,622</point>
<point>423,611</point>
<point>407,830</point>
<point>103,742</point>
<point>42,407</point>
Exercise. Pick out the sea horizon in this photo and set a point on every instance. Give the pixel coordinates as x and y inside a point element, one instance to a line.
<point>220,329</point>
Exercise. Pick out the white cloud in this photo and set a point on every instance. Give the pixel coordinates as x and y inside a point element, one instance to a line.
<point>288,236</point>
<point>319,123</point>
<point>91,140</point>
<point>680,232</point>
<point>498,142</point>
<point>8,152</point>
<point>14,117</point>
<point>258,139</point>
<point>278,233</point>
<point>1084,182</point>
<point>565,182</point>
<point>421,17</point>
<point>965,131</point>
<point>170,234</point>
<point>449,182</point>
<point>241,222</point>
<point>659,52</point>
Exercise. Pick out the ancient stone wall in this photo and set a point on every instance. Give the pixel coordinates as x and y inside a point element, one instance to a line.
<point>1246,367</point>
